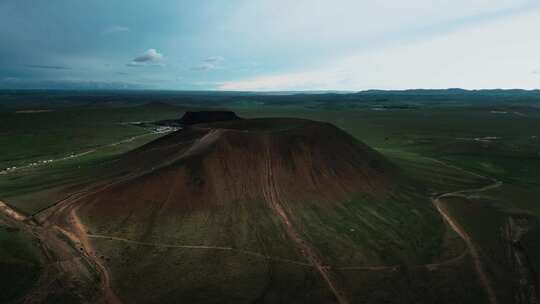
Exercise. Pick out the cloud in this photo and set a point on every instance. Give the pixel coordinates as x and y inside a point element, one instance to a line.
<point>288,81</point>
<point>330,25</point>
<point>115,29</point>
<point>48,67</point>
<point>214,59</point>
<point>150,57</point>
<point>209,63</point>
<point>454,59</point>
<point>204,67</point>
<point>18,83</point>
<point>135,64</point>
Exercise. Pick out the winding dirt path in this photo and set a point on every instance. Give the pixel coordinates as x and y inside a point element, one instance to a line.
<point>203,247</point>
<point>64,218</point>
<point>439,205</point>
<point>61,254</point>
<point>272,196</point>
<point>82,237</point>
<point>268,257</point>
<point>4,208</point>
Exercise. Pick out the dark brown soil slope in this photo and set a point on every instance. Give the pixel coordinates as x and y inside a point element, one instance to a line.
<point>217,164</point>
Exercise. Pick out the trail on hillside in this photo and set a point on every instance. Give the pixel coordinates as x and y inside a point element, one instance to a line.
<point>222,248</point>
<point>62,217</point>
<point>526,287</point>
<point>272,196</point>
<point>10,212</point>
<point>439,205</point>
<point>65,268</point>
<point>268,257</point>
<point>82,237</point>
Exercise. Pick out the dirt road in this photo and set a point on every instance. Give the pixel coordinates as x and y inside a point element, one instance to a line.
<point>63,216</point>
<point>162,245</point>
<point>66,268</point>
<point>81,236</point>
<point>439,205</point>
<point>272,196</point>
<point>11,213</point>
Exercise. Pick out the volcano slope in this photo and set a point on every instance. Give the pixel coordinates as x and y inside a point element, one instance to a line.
<point>256,210</point>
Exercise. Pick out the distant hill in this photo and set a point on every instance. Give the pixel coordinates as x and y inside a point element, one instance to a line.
<point>191,117</point>
<point>159,105</point>
<point>452,91</point>
<point>197,117</point>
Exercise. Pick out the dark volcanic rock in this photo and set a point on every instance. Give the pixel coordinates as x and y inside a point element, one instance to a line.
<point>191,118</point>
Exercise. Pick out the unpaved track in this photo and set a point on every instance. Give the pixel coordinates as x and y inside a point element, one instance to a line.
<point>82,237</point>
<point>272,196</point>
<point>203,247</point>
<point>268,257</point>
<point>4,208</point>
<point>439,205</point>
<point>66,266</point>
<point>64,217</point>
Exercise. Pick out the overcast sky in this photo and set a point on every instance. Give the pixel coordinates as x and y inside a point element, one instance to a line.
<point>270,44</point>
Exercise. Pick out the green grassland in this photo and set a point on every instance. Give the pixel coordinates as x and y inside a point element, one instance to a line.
<point>21,262</point>
<point>430,142</point>
<point>35,188</point>
<point>29,137</point>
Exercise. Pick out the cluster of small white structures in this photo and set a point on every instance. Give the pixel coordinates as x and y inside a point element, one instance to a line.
<point>481,139</point>
<point>7,170</point>
<point>14,168</point>
<point>487,138</point>
<point>165,129</point>
<point>506,112</point>
<point>158,130</point>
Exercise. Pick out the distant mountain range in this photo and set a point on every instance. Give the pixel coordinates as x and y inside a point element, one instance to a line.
<point>95,89</point>
<point>452,91</point>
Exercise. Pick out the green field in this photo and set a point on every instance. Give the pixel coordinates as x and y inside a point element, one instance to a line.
<point>441,146</point>
<point>21,262</point>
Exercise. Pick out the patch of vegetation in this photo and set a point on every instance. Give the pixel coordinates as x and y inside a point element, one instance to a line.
<point>20,264</point>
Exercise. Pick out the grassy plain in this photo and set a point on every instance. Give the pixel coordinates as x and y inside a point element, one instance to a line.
<point>443,144</point>
<point>21,262</point>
